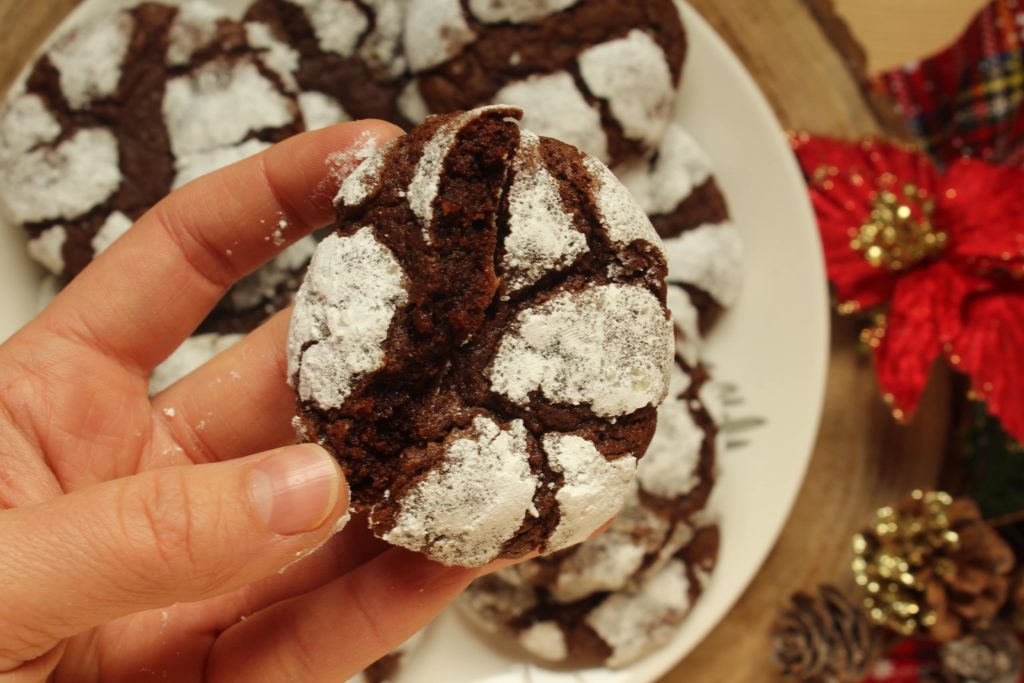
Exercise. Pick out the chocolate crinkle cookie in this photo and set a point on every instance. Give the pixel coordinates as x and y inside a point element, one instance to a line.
<point>483,341</point>
<point>673,483</point>
<point>127,107</point>
<point>621,595</point>
<point>610,628</point>
<point>676,188</point>
<point>598,74</point>
<point>346,55</point>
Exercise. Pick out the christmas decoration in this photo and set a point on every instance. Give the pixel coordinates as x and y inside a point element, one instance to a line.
<point>968,100</point>
<point>992,466</point>
<point>938,257</point>
<point>908,661</point>
<point>931,566</point>
<point>992,656</point>
<point>824,639</point>
<point>1017,603</point>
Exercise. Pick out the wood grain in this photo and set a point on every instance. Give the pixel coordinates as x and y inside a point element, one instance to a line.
<point>862,459</point>
<point>902,31</point>
<point>24,25</point>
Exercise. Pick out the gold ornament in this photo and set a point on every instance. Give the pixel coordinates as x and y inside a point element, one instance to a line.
<point>931,565</point>
<point>899,232</point>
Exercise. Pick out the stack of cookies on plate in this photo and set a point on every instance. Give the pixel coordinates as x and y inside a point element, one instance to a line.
<point>125,108</point>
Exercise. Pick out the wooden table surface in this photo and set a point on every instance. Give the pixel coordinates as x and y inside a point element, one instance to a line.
<point>862,459</point>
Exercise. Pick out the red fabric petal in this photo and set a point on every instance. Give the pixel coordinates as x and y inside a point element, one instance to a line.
<point>966,100</point>
<point>983,207</point>
<point>990,349</point>
<point>844,180</point>
<point>924,315</point>
<point>907,662</point>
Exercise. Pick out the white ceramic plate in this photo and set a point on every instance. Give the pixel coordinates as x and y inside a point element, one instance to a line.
<point>773,344</point>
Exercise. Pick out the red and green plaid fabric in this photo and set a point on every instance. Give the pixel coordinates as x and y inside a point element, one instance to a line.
<point>968,100</point>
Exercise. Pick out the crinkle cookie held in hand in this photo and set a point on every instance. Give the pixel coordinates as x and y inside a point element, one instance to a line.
<point>483,341</point>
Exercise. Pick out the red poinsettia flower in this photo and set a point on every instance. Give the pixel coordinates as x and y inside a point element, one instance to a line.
<point>944,253</point>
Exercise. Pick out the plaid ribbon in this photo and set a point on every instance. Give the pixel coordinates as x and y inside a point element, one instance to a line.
<point>968,100</point>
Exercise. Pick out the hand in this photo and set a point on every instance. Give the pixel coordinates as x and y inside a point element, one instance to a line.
<point>140,538</point>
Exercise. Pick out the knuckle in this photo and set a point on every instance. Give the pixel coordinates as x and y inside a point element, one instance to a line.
<point>205,259</point>
<point>299,661</point>
<point>370,619</point>
<point>22,643</point>
<point>161,525</point>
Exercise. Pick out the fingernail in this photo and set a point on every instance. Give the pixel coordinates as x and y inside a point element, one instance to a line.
<point>296,489</point>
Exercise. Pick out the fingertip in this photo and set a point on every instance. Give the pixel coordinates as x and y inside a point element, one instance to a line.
<point>298,489</point>
<point>381,129</point>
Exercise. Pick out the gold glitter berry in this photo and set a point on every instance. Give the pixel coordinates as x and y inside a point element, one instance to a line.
<point>899,232</point>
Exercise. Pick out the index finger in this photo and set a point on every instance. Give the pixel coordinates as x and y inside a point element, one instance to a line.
<point>150,290</point>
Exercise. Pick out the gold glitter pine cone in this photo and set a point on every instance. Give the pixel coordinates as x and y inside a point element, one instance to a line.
<point>931,566</point>
<point>824,639</point>
<point>992,656</point>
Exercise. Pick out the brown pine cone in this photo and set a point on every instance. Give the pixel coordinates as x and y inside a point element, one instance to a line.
<point>931,566</point>
<point>992,656</point>
<point>1017,602</point>
<point>823,639</point>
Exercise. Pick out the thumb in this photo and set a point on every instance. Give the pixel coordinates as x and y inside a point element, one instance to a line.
<point>177,534</point>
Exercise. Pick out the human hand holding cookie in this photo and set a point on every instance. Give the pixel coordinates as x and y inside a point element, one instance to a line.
<point>141,536</point>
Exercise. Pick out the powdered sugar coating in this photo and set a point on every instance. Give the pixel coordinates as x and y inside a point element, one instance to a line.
<point>89,58</point>
<point>320,110</point>
<point>411,103</point>
<point>193,28</point>
<point>553,106</point>
<point>197,164</point>
<point>542,236</point>
<point>25,122</point>
<point>609,347</point>
<point>65,181</point>
<point>633,76</point>
<point>263,285</point>
<point>546,640</point>
<point>342,315</point>
<point>489,602</point>
<point>669,469</point>
<point>277,55</point>
<point>116,225</point>
<point>435,31</point>
<point>465,511</point>
<point>609,561</point>
<point>660,185</point>
<point>709,257</point>
<point>382,47</point>
<point>516,11</point>
<point>193,353</point>
<point>593,489</point>
<point>202,108</point>
<point>337,24</point>
<point>47,248</point>
<point>427,178</point>
<point>633,623</point>
<point>363,180</point>
<point>621,217</point>
<point>687,321</point>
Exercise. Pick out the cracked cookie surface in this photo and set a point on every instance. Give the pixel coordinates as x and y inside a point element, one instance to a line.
<point>601,75</point>
<point>483,341</point>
